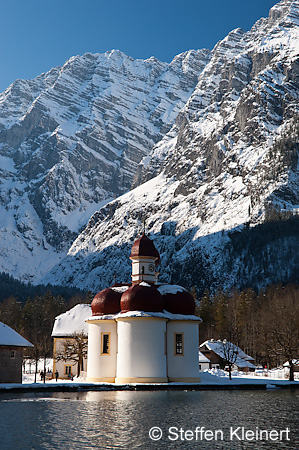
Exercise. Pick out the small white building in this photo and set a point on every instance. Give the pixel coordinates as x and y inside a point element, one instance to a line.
<point>217,351</point>
<point>144,332</point>
<point>65,326</point>
<point>204,362</point>
<point>12,345</point>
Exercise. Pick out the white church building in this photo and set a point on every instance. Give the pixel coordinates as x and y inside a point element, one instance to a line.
<point>143,332</point>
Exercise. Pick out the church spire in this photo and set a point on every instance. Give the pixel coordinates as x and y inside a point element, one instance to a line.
<point>145,257</point>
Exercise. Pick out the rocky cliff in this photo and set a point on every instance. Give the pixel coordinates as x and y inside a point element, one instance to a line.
<point>219,191</point>
<point>71,140</point>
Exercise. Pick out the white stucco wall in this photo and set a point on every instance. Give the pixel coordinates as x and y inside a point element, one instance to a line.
<point>137,265</point>
<point>101,367</point>
<point>141,349</point>
<point>185,366</point>
<point>61,365</point>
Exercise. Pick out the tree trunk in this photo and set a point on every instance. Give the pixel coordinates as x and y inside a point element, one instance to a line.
<point>36,365</point>
<point>291,377</point>
<point>44,377</point>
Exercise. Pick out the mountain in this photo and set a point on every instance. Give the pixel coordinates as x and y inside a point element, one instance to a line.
<point>219,191</point>
<point>71,140</point>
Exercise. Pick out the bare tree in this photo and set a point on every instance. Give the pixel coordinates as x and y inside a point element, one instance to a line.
<point>279,324</point>
<point>73,349</point>
<point>38,315</point>
<point>230,354</point>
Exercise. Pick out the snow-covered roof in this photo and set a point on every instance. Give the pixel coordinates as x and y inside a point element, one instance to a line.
<point>170,289</point>
<point>72,321</point>
<point>202,358</point>
<point>294,361</point>
<point>120,289</point>
<point>218,348</point>
<point>163,315</point>
<point>10,337</point>
<point>144,283</point>
<point>242,363</point>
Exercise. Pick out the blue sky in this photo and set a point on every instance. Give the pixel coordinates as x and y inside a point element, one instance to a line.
<point>36,35</point>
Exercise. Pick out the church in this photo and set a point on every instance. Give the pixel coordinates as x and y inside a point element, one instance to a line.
<point>143,332</point>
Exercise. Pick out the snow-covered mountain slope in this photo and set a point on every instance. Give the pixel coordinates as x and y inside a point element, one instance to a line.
<point>71,140</point>
<point>229,163</point>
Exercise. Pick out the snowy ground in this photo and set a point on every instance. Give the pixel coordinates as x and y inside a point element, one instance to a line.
<point>210,377</point>
<point>271,378</point>
<point>217,376</point>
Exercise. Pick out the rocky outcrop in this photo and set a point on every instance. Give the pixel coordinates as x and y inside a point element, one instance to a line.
<point>229,158</point>
<point>210,142</point>
<point>71,140</point>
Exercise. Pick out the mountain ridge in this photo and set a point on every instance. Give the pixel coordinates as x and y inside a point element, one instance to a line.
<point>214,165</point>
<point>218,171</point>
<point>70,141</point>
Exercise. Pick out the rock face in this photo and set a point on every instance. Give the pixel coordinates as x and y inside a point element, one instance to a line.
<point>226,167</point>
<point>71,140</point>
<point>209,141</point>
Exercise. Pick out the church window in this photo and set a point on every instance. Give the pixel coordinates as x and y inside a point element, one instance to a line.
<point>105,338</point>
<point>179,344</point>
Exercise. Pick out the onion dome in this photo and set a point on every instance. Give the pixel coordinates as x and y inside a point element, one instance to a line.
<point>144,247</point>
<point>177,300</point>
<point>106,302</point>
<point>142,297</point>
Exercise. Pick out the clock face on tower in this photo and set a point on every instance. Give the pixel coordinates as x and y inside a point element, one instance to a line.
<point>151,267</point>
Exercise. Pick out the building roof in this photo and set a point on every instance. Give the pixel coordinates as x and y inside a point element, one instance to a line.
<point>294,361</point>
<point>106,301</point>
<point>72,321</point>
<point>144,247</point>
<point>162,315</point>
<point>170,288</point>
<point>243,363</point>
<point>142,297</point>
<point>202,358</point>
<point>176,299</point>
<point>9,337</point>
<point>217,347</point>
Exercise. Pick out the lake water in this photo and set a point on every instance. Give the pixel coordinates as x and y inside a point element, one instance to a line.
<point>123,419</point>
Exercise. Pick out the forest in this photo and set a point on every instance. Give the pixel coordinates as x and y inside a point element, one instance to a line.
<point>34,319</point>
<point>10,286</point>
<point>264,324</point>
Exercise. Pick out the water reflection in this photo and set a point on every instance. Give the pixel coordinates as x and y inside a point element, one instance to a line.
<point>122,419</point>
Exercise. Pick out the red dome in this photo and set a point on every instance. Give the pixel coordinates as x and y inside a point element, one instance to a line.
<point>141,297</point>
<point>179,303</point>
<point>145,247</point>
<point>106,302</point>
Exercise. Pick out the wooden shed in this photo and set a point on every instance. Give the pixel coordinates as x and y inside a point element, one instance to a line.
<point>12,345</point>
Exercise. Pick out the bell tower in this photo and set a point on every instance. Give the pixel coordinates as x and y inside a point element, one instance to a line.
<point>145,257</point>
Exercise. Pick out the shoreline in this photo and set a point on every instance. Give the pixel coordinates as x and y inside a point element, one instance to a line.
<point>83,387</point>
